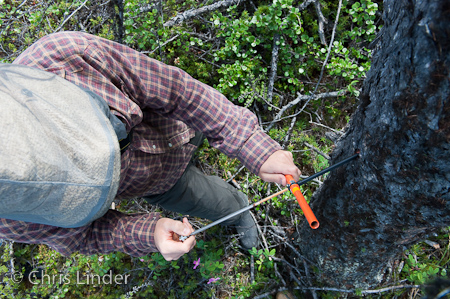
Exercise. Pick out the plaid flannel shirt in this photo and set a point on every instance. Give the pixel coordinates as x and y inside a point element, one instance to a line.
<point>163,106</point>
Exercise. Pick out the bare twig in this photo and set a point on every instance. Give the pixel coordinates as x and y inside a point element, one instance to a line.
<point>317,151</point>
<point>260,232</point>
<point>161,46</point>
<point>289,132</point>
<point>147,8</point>
<point>330,46</point>
<point>300,98</point>
<point>74,12</point>
<point>331,129</point>
<point>252,269</point>
<point>273,66</point>
<point>364,292</point>
<point>11,256</point>
<point>322,20</point>
<point>275,267</point>
<point>316,180</point>
<point>305,4</point>
<point>292,267</point>
<point>195,12</point>
<point>292,275</point>
<point>292,247</point>
<point>308,278</point>
<point>234,175</point>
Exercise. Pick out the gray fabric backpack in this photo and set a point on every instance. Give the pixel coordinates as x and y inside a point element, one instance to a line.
<point>60,157</point>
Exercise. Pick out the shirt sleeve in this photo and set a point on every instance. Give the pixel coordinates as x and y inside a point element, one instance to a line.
<point>171,92</point>
<point>115,231</point>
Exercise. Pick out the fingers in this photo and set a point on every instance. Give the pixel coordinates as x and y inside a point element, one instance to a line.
<point>181,228</point>
<point>169,248</point>
<point>277,165</point>
<point>178,249</point>
<point>275,178</point>
<point>186,222</point>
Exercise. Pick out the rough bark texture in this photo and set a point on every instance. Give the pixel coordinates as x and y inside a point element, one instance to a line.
<point>397,192</point>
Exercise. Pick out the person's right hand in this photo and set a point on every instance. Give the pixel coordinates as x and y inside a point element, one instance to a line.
<point>277,166</point>
<point>167,246</point>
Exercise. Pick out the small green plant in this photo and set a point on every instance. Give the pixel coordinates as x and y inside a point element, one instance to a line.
<point>420,273</point>
<point>264,258</point>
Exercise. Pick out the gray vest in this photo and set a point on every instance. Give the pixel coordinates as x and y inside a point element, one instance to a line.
<point>59,154</point>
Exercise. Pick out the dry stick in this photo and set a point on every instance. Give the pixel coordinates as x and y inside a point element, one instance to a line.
<point>273,66</point>
<point>74,12</point>
<point>287,106</point>
<point>292,247</point>
<point>294,277</point>
<point>179,18</point>
<point>308,278</point>
<point>322,21</point>
<point>260,232</point>
<point>252,269</point>
<point>330,46</point>
<point>147,8</point>
<point>277,259</point>
<point>275,267</point>
<point>317,151</point>
<point>310,97</point>
<point>305,4</point>
<point>160,46</point>
<point>331,129</point>
<point>234,175</point>
<point>267,218</point>
<point>289,132</point>
<point>11,256</point>
<point>300,98</point>
<point>364,292</point>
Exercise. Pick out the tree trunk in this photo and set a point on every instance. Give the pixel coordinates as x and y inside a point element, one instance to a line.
<point>397,192</point>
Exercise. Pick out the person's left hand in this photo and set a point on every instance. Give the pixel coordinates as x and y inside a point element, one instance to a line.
<point>167,246</point>
<point>277,166</point>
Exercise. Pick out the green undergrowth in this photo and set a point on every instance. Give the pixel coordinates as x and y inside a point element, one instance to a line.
<point>230,49</point>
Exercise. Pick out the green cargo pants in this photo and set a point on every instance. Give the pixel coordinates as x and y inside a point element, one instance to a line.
<point>199,195</point>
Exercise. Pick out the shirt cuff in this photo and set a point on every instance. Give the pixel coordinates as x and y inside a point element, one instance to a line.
<point>257,149</point>
<point>138,238</point>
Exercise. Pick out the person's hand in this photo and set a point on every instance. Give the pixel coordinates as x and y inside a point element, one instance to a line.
<point>167,246</point>
<point>277,166</point>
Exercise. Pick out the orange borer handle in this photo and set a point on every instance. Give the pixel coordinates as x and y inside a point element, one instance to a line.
<point>295,189</point>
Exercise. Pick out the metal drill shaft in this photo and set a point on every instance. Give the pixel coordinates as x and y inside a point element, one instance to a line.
<point>302,182</point>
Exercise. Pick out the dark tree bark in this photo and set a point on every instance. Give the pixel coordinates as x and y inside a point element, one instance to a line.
<point>397,192</point>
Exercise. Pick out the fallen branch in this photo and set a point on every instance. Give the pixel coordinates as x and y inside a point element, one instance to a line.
<point>308,278</point>
<point>275,268</point>
<point>273,66</point>
<point>331,129</point>
<point>286,242</point>
<point>161,46</point>
<point>260,232</point>
<point>330,46</point>
<point>363,292</point>
<point>234,175</point>
<point>305,4</point>
<point>322,21</point>
<point>74,12</point>
<point>189,14</point>
<point>289,132</point>
<point>317,151</point>
<point>300,98</point>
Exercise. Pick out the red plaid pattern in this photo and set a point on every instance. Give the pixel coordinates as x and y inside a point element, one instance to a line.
<point>163,106</point>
